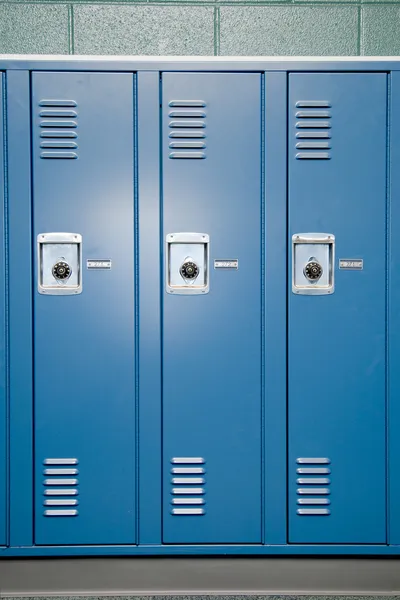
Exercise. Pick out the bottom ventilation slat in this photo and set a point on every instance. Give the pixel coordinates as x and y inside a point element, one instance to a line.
<point>311,497</point>
<point>182,488</point>
<point>187,155</point>
<point>57,154</point>
<point>54,486</point>
<point>313,511</point>
<point>188,511</point>
<point>60,502</point>
<point>61,513</point>
<point>313,155</point>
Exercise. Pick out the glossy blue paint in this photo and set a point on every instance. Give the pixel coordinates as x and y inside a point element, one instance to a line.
<point>212,347</point>
<point>123,194</point>
<point>3,326</point>
<point>275,283</point>
<point>20,309</point>
<point>337,370</point>
<point>150,495</point>
<point>85,345</point>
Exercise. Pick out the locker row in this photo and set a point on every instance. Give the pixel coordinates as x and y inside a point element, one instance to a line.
<point>199,292</point>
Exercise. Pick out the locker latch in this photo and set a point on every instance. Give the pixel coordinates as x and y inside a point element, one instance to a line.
<point>59,257</point>
<point>313,259</point>
<point>187,263</point>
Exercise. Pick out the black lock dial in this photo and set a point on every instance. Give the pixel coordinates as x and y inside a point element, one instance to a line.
<point>313,271</point>
<point>189,270</point>
<point>61,270</point>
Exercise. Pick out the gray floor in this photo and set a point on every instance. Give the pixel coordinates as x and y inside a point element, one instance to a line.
<point>197,577</point>
<point>268,597</point>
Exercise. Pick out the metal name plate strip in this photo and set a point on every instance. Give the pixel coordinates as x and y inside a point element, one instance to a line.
<point>226,264</point>
<point>103,264</point>
<point>351,264</point>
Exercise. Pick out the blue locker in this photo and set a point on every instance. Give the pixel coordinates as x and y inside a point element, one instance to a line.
<point>201,385</point>
<point>3,376</point>
<point>212,348</point>
<point>84,344</point>
<point>336,355</point>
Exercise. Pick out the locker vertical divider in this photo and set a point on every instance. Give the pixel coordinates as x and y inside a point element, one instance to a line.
<point>20,308</point>
<point>150,267</point>
<point>393,249</point>
<point>3,326</point>
<point>275,282</point>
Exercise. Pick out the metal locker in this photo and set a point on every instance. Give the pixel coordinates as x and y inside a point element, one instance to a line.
<point>84,307</point>
<point>204,359</point>
<point>3,376</point>
<point>212,349</point>
<point>337,357</point>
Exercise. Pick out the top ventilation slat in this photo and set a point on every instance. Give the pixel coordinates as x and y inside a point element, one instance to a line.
<point>58,112</point>
<point>313,124</point>
<point>188,114</point>
<point>313,114</point>
<point>313,134</point>
<point>187,124</point>
<point>57,103</point>
<point>57,123</point>
<point>53,133</point>
<point>313,104</point>
<point>187,103</point>
<point>312,120</point>
<point>187,134</point>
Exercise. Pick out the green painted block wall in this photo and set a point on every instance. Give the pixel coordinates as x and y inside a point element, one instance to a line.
<point>201,27</point>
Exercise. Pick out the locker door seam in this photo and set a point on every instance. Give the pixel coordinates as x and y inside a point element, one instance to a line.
<point>387,299</point>
<point>288,259</point>
<point>162,275</point>
<point>32,305</point>
<point>262,286</point>
<point>6,307</point>
<point>136,297</point>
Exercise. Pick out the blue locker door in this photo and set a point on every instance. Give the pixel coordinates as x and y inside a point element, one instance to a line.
<point>3,396</point>
<point>84,344</point>
<point>212,343</point>
<point>337,342</point>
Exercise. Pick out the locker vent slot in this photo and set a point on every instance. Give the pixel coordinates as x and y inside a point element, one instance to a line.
<point>187,103</point>
<point>60,461</point>
<point>61,512</point>
<point>60,483</point>
<point>57,122</point>
<point>187,120</point>
<point>313,117</point>
<point>311,477</point>
<point>189,498</point>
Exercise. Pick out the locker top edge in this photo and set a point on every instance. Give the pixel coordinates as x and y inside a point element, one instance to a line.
<point>200,63</point>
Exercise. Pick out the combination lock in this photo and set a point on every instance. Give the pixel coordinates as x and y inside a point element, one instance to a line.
<point>313,264</point>
<point>61,270</point>
<point>313,271</point>
<point>189,270</point>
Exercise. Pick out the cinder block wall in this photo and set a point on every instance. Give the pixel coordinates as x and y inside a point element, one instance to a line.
<point>208,27</point>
